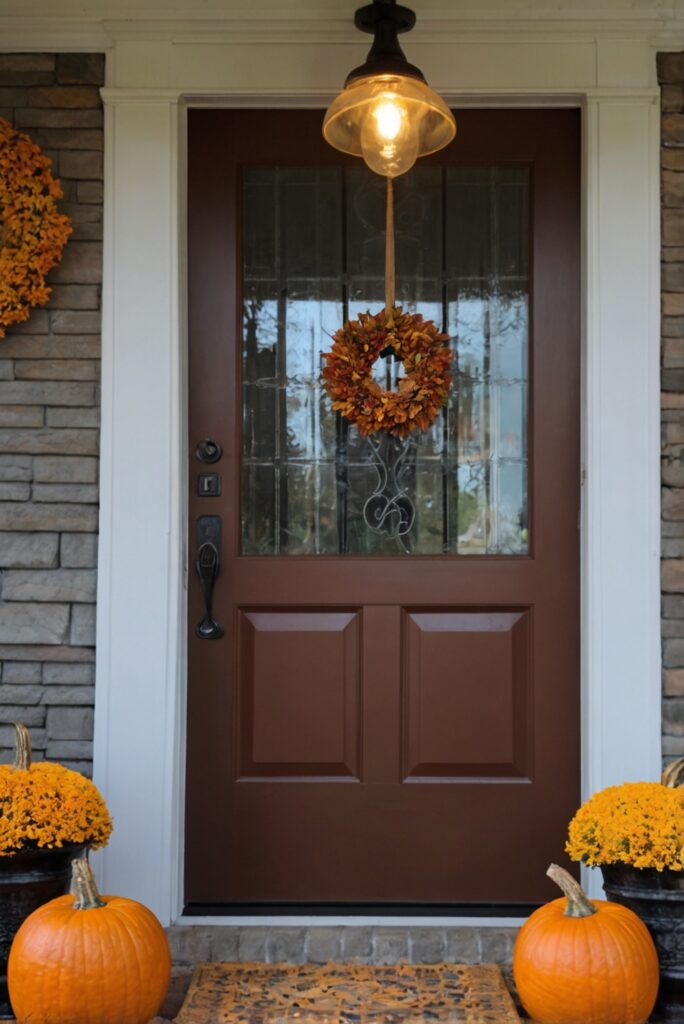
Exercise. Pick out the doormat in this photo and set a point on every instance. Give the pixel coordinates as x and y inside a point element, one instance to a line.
<point>347,994</point>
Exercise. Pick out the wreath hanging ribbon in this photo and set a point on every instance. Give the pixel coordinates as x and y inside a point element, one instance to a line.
<point>347,374</point>
<point>33,232</point>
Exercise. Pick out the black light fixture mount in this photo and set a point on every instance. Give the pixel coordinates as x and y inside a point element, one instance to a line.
<point>387,113</point>
<point>385,20</point>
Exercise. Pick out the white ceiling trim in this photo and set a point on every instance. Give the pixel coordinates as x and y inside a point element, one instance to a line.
<point>664,27</point>
<point>33,35</point>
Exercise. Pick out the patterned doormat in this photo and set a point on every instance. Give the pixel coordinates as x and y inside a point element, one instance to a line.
<point>347,994</point>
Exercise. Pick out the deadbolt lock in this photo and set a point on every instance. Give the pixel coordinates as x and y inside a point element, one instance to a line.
<point>208,450</point>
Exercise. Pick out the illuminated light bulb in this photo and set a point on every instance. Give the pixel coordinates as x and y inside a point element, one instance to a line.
<point>390,136</point>
<point>388,116</point>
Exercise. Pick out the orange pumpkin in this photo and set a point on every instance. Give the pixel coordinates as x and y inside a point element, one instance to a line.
<point>581,961</point>
<point>88,959</point>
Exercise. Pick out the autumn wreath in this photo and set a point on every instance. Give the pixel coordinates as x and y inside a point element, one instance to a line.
<point>423,389</point>
<point>32,231</point>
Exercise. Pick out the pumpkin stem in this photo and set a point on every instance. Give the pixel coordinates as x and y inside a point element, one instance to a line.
<point>579,905</point>
<point>22,757</point>
<point>84,886</point>
<point>673,776</point>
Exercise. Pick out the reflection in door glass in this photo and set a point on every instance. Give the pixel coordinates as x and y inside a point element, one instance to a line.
<point>313,257</point>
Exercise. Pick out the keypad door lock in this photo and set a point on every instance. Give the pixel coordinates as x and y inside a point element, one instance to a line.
<point>208,451</point>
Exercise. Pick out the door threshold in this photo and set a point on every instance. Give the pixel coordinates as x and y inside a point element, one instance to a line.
<point>350,921</point>
<point>384,912</point>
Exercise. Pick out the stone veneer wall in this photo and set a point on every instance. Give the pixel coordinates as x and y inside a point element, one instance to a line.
<point>671,78</point>
<point>49,436</point>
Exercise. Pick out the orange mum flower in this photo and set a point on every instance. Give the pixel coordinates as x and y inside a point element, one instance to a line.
<point>32,231</point>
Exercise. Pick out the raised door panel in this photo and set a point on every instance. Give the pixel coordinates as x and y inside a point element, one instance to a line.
<point>467,695</point>
<point>299,694</point>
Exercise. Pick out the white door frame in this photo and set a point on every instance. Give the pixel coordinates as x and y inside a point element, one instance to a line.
<point>140,693</point>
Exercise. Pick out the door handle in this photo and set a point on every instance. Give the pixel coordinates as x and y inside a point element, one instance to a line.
<point>208,564</point>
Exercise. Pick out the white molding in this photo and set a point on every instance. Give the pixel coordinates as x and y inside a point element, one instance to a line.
<point>621,429</point>
<point>52,35</point>
<point>140,637</point>
<point>102,757</point>
<point>311,100</point>
<point>319,28</point>
<point>179,618</point>
<point>35,28</point>
<point>78,28</point>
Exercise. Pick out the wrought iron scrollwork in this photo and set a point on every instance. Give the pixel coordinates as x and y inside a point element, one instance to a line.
<point>390,510</point>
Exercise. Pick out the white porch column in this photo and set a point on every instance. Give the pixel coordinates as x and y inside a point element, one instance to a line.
<point>139,638</point>
<point>621,494</point>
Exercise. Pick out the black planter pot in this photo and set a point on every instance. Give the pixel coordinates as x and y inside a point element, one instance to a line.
<point>657,897</point>
<point>27,880</point>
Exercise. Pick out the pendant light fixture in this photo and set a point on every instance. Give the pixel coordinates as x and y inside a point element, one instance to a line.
<point>387,113</point>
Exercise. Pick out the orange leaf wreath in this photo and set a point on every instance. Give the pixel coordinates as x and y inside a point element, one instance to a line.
<point>32,231</point>
<point>423,389</point>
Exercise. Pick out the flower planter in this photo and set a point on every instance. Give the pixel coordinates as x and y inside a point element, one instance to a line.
<point>657,897</point>
<point>27,880</point>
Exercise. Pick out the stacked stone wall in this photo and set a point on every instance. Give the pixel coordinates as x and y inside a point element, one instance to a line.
<point>49,429</point>
<point>671,77</point>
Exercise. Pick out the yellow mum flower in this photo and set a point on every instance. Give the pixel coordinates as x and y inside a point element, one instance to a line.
<point>47,805</point>
<point>637,823</point>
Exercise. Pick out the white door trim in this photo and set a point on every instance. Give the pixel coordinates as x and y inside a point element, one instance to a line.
<point>140,694</point>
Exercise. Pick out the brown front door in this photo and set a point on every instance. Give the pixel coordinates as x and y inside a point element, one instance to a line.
<point>391,715</point>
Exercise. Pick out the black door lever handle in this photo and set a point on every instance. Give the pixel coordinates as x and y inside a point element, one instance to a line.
<point>208,563</point>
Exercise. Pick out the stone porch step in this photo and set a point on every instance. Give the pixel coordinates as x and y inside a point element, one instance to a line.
<point>376,944</point>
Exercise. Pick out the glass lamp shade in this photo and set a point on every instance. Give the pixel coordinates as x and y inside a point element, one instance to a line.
<point>390,120</point>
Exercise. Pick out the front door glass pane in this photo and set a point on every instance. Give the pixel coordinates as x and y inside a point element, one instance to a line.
<point>313,257</point>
